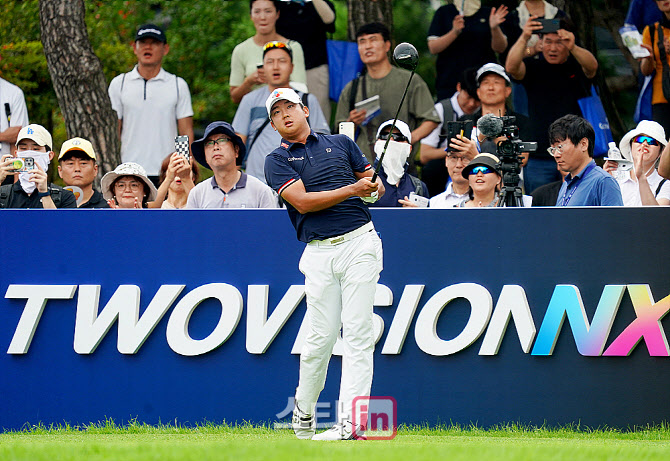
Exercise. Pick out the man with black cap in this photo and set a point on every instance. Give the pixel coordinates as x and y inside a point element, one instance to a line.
<point>152,105</point>
<point>222,151</point>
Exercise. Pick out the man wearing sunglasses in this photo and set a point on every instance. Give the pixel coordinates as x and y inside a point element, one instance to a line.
<point>324,180</point>
<point>221,150</point>
<point>251,122</point>
<point>572,139</point>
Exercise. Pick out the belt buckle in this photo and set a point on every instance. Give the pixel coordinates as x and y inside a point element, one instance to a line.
<point>337,240</point>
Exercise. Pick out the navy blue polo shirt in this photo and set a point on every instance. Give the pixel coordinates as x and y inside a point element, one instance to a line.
<point>325,162</point>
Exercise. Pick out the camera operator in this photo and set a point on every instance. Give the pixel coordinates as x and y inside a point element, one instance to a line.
<point>494,87</point>
<point>33,189</point>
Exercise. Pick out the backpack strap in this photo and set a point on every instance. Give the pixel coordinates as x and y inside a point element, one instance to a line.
<point>658,189</point>
<point>448,111</point>
<point>55,195</point>
<point>5,195</point>
<point>418,186</point>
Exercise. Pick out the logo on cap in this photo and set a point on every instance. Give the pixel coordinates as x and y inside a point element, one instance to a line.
<point>30,131</point>
<point>276,94</point>
<point>76,142</point>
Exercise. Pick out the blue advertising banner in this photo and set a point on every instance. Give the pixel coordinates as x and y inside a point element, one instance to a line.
<point>483,316</point>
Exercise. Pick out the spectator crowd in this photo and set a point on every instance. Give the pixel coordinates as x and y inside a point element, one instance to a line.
<point>525,62</point>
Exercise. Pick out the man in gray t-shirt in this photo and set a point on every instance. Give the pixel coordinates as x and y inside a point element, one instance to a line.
<point>251,121</point>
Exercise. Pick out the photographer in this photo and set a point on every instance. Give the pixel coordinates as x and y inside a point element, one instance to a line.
<point>32,190</point>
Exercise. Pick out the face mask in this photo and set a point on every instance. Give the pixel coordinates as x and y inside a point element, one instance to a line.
<point>468,7</point>
<point>41,159</point>
<point>394,161</point>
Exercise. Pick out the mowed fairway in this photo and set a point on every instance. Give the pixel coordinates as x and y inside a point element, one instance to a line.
<point>140,442</point>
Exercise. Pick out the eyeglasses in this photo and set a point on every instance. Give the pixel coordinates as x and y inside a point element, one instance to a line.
<point>555,150</point>
<point>398,137</point>
<point>482,169</point>
<point>220,142</point>
<point>275,44</point>
<point>456,158</point>
<point>644,138</point>
<point>132,185</point>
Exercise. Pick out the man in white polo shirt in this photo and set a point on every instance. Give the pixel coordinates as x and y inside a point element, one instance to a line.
<point>152,105</point>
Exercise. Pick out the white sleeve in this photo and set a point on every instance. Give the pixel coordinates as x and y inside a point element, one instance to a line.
<point>665,191</point>
<point>184,107</point>
<point>114,92</point>
<point>19,109</point>
<point>433,139</point>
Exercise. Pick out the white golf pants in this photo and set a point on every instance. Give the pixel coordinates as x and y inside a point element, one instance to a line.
<point>340,283</point>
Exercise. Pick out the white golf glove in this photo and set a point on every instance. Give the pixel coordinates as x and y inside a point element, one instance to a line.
<point>372,198</point>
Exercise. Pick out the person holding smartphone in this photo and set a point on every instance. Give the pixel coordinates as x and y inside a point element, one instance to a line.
<point>554,86</point>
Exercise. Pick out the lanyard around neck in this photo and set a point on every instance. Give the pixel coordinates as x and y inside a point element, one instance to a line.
<point>566,196</point>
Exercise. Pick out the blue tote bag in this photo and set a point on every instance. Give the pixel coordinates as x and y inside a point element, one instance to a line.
<point>593,111</point>
<point>344,63</point>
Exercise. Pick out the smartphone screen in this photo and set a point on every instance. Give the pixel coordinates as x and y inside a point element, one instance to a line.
<point>181,146</point>
<point>455,128</point>
<point>549,26</point>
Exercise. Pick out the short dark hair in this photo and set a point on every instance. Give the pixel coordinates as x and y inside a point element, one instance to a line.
<point>80,154</point>
<point>274,2</point>
<point>469,82</point>
<point>574,128</point>
<point>374,28</point>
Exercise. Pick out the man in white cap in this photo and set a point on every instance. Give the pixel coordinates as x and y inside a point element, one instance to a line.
<point>152,105</point>
<point>77,167</point>
<point>324,179</point>
<point>31,163</point>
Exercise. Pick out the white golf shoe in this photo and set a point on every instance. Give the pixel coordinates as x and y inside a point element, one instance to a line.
<point>304,425</point>
<point>340,432</point>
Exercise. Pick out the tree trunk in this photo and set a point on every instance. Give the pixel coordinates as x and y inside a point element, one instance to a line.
<point>78,79</point>
<point>362,12</point>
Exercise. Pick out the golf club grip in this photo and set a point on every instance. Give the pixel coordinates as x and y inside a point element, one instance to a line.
<point>395,119</point>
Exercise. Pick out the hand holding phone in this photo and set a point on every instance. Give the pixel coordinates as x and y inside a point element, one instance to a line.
<point>181,146</point>
<point>458,128</point>
<point>549,26</point>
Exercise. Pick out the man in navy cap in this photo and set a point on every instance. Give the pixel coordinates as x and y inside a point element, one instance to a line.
<point>324,180</point>
<point>222,151</point>
<point>152,105</point>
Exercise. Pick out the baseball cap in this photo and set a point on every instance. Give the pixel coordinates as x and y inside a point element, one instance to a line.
<point>198,147</point>
<point>400,125</point>
<point>492,68</point>
<point>482,159</point>
<point>150,31</point>
<point>37,133</point>
<point>281,94</point>
<point>79,144</point>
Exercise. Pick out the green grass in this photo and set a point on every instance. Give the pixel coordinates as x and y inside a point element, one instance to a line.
<point>107,441</point>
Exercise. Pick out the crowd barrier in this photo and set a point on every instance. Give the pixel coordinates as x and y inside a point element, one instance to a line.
<point>485,316</point>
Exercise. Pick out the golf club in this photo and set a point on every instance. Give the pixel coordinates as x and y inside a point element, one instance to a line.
<point>405,56</point>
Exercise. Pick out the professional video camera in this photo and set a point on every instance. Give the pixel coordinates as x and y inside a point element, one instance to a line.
<point>509,152</point>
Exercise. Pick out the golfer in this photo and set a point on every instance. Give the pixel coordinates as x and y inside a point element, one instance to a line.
<point>324,180</point>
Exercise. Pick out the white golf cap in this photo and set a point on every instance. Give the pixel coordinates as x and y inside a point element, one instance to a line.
<point>37,133</point>
<point>280,94</point>
<point>400,125</point>
<point>492,68</point>
<point>648,127</point>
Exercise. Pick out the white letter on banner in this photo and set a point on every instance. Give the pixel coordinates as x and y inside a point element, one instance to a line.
<point>91,327</point>
<point>512,303</point>
<point>383,297</point>
<point>402,319</point>
<point>425,331</point>
<point>231,311</point>
<point>37,297</point>
<point>261,330</point>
